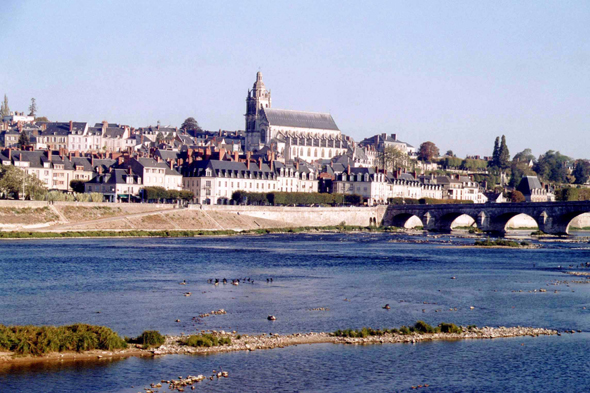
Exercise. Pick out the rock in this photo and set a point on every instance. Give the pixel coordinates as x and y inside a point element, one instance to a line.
<point>271,318</point>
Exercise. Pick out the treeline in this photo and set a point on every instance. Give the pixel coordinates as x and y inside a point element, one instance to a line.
<point>295,198</point>
<point>426,201</point>
<point>573,194</point>
<point>161,194</point>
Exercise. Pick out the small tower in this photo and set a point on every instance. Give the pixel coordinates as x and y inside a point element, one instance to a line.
<point>258,98</point>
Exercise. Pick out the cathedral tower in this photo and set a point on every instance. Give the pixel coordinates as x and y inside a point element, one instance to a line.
<point>258,98</point>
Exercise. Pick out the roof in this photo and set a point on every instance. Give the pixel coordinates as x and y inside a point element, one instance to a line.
<point>117,176</point>
<point>288,118</point>
<point>529,183</point>
<point>151,163</point>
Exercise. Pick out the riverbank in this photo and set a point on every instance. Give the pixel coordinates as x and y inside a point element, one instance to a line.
<point>176,344</point>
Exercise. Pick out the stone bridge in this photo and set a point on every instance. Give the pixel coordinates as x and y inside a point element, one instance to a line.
<point>551,217</point>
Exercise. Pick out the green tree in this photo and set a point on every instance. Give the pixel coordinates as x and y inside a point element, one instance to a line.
<point>496,154</point>
<point>428,151</point>
<point>518,170</point>
<point>4,108</point>
<point>504,154</point>
<point>33,107</point>
<point>23,140</point>
<point>14,181</point>
<point>524,156</point>
<point>449,153</point>
<point>41,118</point>
<point>552,166</point>
<point>581,171</point>
<point>190,124</point>
<point>77,185</point>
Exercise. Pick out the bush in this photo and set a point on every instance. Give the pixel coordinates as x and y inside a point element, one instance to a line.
<point>207,340</point>
<point>39,340</point>
<point>77,185</point>
<point>449,328</point>
<point>96,197</point>
<point>149,338</point>
<point>423,327</point>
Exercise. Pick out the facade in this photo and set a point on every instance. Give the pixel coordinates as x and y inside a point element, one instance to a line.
<point>534,191</point>
<point>115,185</point>
<point>214,182</point>
<point>156,173</point>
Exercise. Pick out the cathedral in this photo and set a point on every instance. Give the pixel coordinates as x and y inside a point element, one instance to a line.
<point>293,134</point>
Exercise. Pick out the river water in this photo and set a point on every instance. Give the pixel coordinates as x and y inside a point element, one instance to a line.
<point>132,285</point>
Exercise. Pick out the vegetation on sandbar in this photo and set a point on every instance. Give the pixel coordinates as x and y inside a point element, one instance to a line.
<point>500,243</point>
<point>40,340</point>
<point>207,340</point>
<point>149,338</point>
<point>420,327</point>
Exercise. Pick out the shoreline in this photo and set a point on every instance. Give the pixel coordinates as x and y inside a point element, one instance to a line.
<point>174,346</point>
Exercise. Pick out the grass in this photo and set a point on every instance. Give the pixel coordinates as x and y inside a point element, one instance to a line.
<point>149,339</point>
<point>420,327</point>
<point>40,340</point>
<point>500,243</point>
<point>207,340</point>
<point>185,233</point>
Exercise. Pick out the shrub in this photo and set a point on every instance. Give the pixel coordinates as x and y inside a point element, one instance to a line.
<point>423,327</point>
<point>449,328</point>
<point>207,340</point>
<point>39,340</point>
<point>96,197</point>
<point>149,338</point>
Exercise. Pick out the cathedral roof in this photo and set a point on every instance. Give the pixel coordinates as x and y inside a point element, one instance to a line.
<point>289,118</point>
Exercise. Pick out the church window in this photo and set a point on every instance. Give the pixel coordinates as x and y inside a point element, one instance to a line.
<point>323,153</point>
<point>330,153</point>
<point>309,151</point>
<point>315,153</point>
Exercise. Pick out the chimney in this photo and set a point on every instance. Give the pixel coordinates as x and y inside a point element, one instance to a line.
<point>171,164</point>
<point>105,124</point>
<point>384,136</point>
<point>260,163</point>
<point>92,160</point>
<point>248,160</point>
<point>297,165</point>
<point>207,152</point>
<point>236,156</point>
<point>348,170</point>
<point>415,174</point>
<point>71,125</point>
<point>221,153</point>
<point>44,126</point>
<point>120,160</point>
<point>49,155</point>
<point>129,169</point>
<point>100,169</point>
<point>394,137</point>
<point>220,132</point>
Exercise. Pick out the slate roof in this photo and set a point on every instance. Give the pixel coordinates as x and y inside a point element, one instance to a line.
<point>82,161</point>
<point>529,183</point>
<point>117,176</point>
<point>289,118</point>
<point>114,132</point>
<point>151,163</point>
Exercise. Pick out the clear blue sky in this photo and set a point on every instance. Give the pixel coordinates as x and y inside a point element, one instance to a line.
<point>457,73</point>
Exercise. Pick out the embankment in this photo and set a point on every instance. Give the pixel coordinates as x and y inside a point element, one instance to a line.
<point>71,216</point>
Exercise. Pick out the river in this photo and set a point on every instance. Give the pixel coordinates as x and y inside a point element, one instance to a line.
<point>132,285</point>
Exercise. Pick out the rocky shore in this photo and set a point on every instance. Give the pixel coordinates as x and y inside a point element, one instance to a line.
<point>175,344</point>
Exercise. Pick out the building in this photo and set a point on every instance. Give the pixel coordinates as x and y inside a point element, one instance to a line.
<point>296,134</point>
<point>156,173</point>
<point>534,191</point>
<point>215,181</point>
<point>116,185</point>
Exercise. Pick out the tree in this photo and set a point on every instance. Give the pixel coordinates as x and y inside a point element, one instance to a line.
<point>14,181</point>
<point>517,197</point>
<point>581,171</point>
<point>4,108</point>
<point>428,151</point>
<point>504,154</point>
<point>77,185</point>
<point>33,107</point>
<point>496,154</point>
<point>524,156</point>
<point>449,153</point>
<point>552,166</point>
<point>42,118</point>
<point>519,169</point>
<point>23,140</point>
<point>190,124</point>
<point>392,159</point>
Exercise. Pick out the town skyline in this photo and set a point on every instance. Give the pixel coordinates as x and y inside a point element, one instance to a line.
<point>422,79</point>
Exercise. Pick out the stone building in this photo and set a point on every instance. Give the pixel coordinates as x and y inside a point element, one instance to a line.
<point>305,135</point>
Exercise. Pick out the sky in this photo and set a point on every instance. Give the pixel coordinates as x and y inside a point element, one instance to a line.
<point>457,73</point>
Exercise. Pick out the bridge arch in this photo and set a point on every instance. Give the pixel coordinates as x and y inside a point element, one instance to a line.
<point>558,224</point>
<point>445,222</point>
<point>406,220</point>
<point>499,222</point>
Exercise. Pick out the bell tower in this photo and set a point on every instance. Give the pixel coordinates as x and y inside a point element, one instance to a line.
<point>257,99</point>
